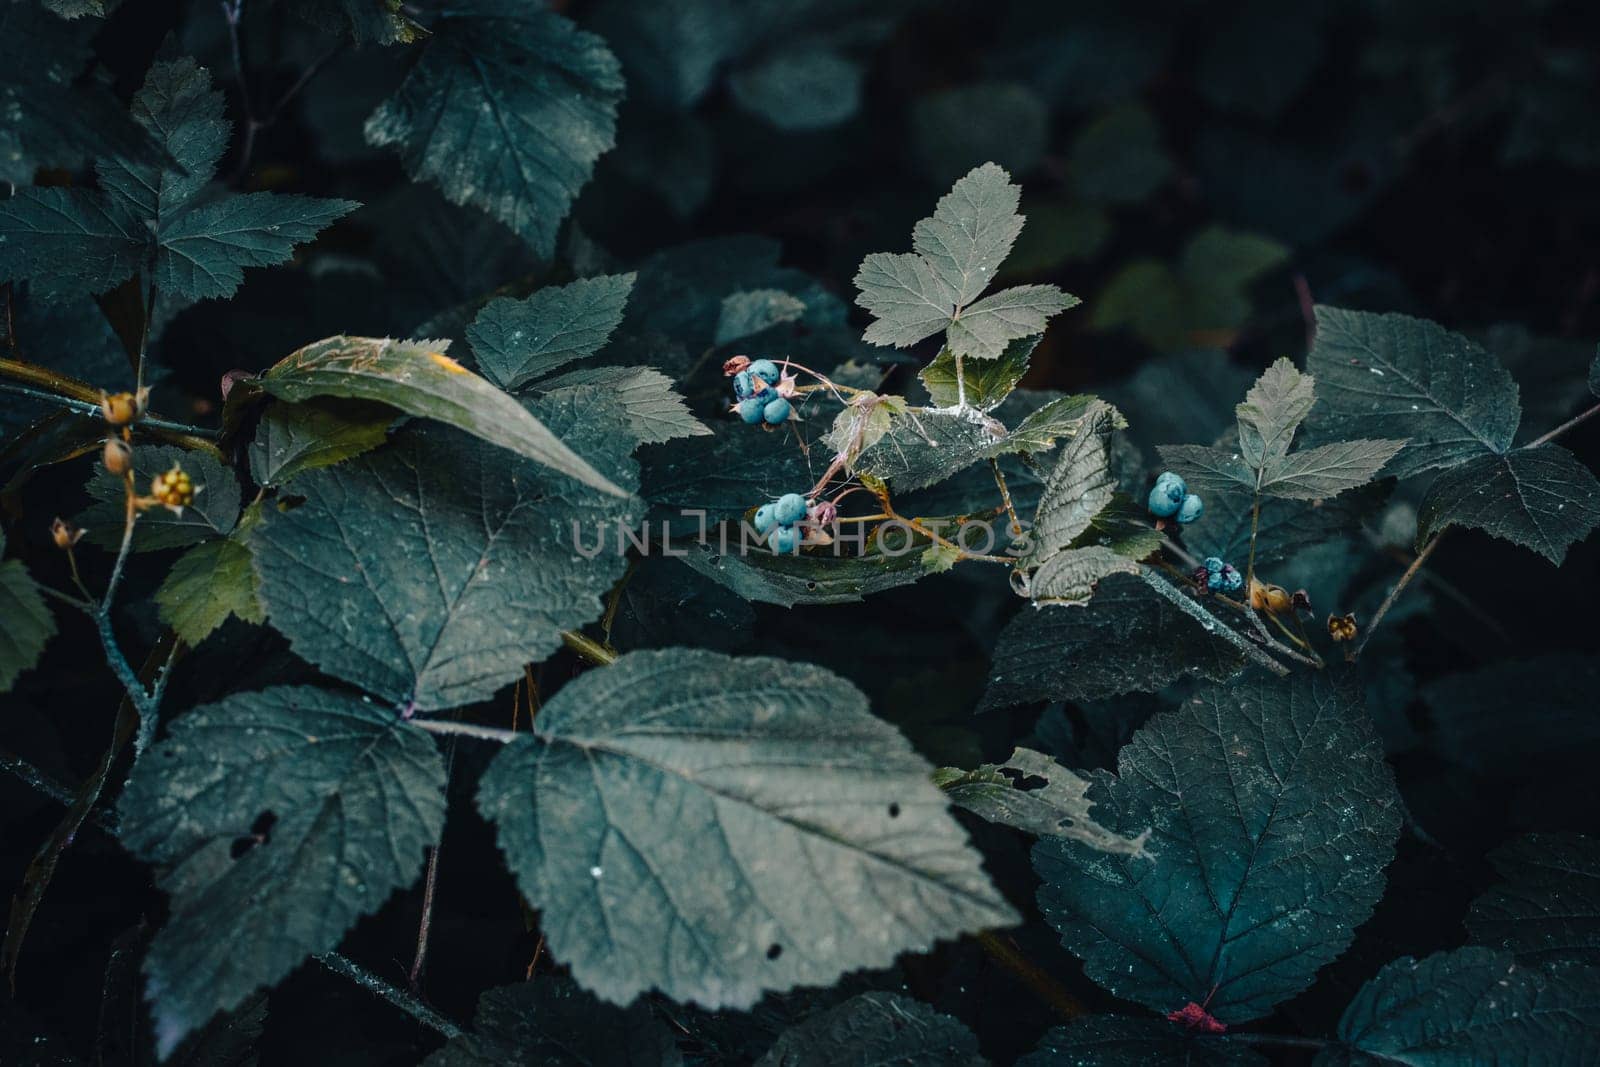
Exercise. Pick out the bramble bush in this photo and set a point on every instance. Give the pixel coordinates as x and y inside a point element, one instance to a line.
<point>492,530</point>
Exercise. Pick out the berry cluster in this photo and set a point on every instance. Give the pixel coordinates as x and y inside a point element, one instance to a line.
<point>758,396</point>
<point>1171,498</point>
<point>173,489</point>
<point>1219,577</point>
<point>780,522</point>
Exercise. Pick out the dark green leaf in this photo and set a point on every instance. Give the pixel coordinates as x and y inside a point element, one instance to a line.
<point>1395,376</point>
<point>1474,1005</point>
<point>1286,526</point>
<point>1272,411</point>
<point>884,1029</point>
<point>805,88</point>
<point>550,1022</point>
<point>1119,157</point>
<point>507,109</point>
<point>67,242</point>
<point>1209,470</point>
<point>1120,1041</point>
<point>738,468</point>
<point>1327,470</point>
<point>516,341</point>
<point>924,447</point>
<point>985,329</point>
<point>215,510</point>
<point>752,310</point>
<point>1078,487</point>
<point>908,297</point>
<point>1499,718</point>
<point>366,21</point>
<point>29,624</point>
<point>816,577</point>
<point>278,818</point>
<point>430,571</point>
<point>1129,638</point>
<point>419,379</point>
<point>1546,909</point>
<point>715,828</point>
<point>213,580</point>
<point>1034,793</point>
<point>1540,498</point>
<point>294,438</point>
<point>987,382</point>
<point>655,413</point>
<point>1274,816</point>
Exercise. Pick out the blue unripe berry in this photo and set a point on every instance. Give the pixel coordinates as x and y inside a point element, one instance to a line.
<point>790,509</point>
<point>1172,485</point>
<point>1190,509</point>
<point>743,387</point>
<point>751,409</point>
<point>1214,565</point>
<point>766,370</point>
<point>784,539</point>
<point>1215,582</point>
<point>1232,580</point>
<point>1161,504</point>
<point>776,411</point>
<point>766,518</point>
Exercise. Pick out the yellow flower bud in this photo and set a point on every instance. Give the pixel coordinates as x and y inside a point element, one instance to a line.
<point>1342,627</point>
<point>1271,599</point>
<point>120,409</point>
<point>173,489</point>
<point>64,533</point>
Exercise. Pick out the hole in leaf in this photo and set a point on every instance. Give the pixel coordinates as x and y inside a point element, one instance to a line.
<point>811,587</point>
<point>774,950</point>
<point>894,811</point>
<point>288,502</point>
<point>260,834</point>
<point>263,825</point>
<point>1025,782</point>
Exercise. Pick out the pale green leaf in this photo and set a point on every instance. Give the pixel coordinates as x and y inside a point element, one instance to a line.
<point>1078,488</point>
<point>908,298</point>
<point>507,109</point>
<point>213,580</point>
<point>517,341</point>
<point>715,828</point>
<point>1056,418</point>
<point>430,571</point>
<point>983,330</point>
<point>1273,816</point>
<point>1395,376</point>
<point>1209,470</point>
<point>1272,411</point>
<point>818,577</point>
<point>1474,1005</point>
<point>277,819</point>
<point>971,231</point>
<point>986,381</point>
<point>877,1028</point>
<point>1540,498</point>
<point>1328,470</point>
<point>753,310</point>
<point>29,625</point>
<point>655,413</point>
<point>1070,576</point>
<point>1035,794</point>
<point>419,379</point>
<point>294,438</point>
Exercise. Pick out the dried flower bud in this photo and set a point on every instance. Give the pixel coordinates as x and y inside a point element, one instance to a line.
<point>1342,627</point>
<point>823,513</point>
<point>117,456</point>
<point>1272,599</point>
<point>120,409</point>
<point>64,533</point>
<point>734,364</point>
<point>1301,600</point>
<point>173,489</point>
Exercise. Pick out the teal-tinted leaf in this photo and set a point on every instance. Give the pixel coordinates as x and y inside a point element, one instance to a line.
<point>1546,908</point>
<point>818,577</point>
<point>1209,384</point>
<point>971,231</point>
<point>1071,576</point>
<point>203,252</point>
<point>1327,470</point>
<point>672,49</point>
<point>723,476</point>
<point>213,580</point>
<point>550,1022</point>
<point>430,571</point>
<point>1273,818</point>
<point>1399,377</point>
<point>804,88</point>
<point>507,109</point>
<point>752,310</point>
<point>1209,470</point>
<point>986,382</point>
<point>215,510</point>
<point>366,21</point>
<point>294,438</point>
<point>1540,498</point>
<point>1120,1041</point>
<point>1059,417</point>
<point>908,298</point>
<point>1272,411</point>
<point>67,242</point>
<point>655,413</point>
<point>29,624</point>
<point>924,447</point>
<point>516,341</point>
<point>1285,526</point>
<point>1119,158</point>
<point>984,330</point>
<point>876,1028</point>
<point>419,379</point>
<point>1034,793</point>
<point>1474,1005</point>
<point>1078,488</point>
<point>334,800</point>
<point>1129,638</point>
<point>714,828</point>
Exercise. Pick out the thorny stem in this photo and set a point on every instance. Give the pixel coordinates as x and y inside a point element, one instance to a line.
<point>406,1002</point>
<point>1388,601</point>
<point>1045,987</point>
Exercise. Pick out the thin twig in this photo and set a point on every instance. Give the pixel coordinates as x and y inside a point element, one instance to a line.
<point>467,729</point>
<point>588,648</point>
<point>430,884</point>
<point>1563,428</point>
<point>1005,497</point>
<point>1388,601</point>
<point>86,407</point>
<point>1045,987</point>
<point>406,1002</point>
